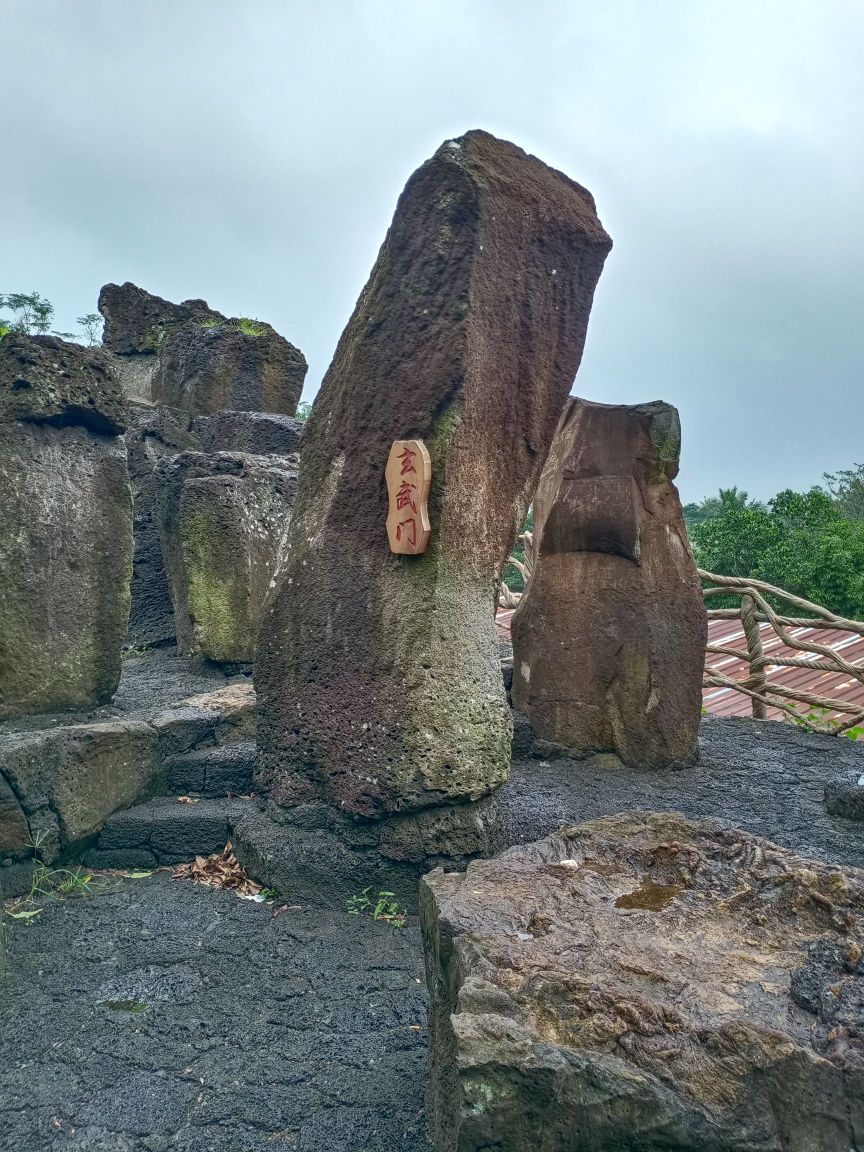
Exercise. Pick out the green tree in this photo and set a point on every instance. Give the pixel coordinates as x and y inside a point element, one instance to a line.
<point>92,326</point>
<point>801,542</point>
<point>726,499</point>
<point>847,488</point>
<point>31,313</point>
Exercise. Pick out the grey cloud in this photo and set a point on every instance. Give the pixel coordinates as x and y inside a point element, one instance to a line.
<point>252,153</point>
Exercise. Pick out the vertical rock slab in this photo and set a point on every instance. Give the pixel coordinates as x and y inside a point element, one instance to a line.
<point>65,527</point>
<point>155,435</point>
<point>377,675</point>
<point>224,521</point>
<point>609,637</point>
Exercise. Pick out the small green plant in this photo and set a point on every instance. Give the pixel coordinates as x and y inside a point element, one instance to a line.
<point>381,907</point>
<point>250,327</point>
<point>47,882</point>
<point>210,322</point>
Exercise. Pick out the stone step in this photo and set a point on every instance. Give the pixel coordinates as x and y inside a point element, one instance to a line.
<point>166,831</point>
<point>219,771</point>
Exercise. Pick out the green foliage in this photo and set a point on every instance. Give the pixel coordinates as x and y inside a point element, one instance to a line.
<point>512,576</point>
<point>32,314</point>
<point>47,882</point>
<point>91,323</point>
<point>251,327</point>
<point>210,322</point>
<point>847,488</point>
<point>725,500</point>
<point>381,907</point>
<point>801,542</point>
<point>304,410</point>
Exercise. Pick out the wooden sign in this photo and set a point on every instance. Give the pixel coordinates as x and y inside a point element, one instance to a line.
<point>408,474</point>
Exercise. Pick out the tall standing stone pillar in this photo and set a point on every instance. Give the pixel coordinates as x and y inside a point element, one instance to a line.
<point>65,526</point>
<point>377,675</point>
<point>609,637</point>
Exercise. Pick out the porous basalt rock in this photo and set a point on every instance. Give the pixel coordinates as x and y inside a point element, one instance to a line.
<point>646,981</point>
<point>261,433</point>
<point>69,779</point>
<point>609,636</point>
<point>234,364</point>
<point>223,520</point>
<point>155,435</point>
<point>378,678</point>
<point>45,380</point>
<point>191,357</point>
<point>65,527</point>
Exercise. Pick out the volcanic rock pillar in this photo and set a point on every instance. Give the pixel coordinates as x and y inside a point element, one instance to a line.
<point>377,675</point>
<point>609,637</point>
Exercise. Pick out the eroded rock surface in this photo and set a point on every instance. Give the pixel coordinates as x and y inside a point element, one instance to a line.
<point>646,981</point>
<point>378,677</point>
<point>609,637</point>
<point>155,435</point>
<point>65,527</point>
<point>224,520</point>
<point>191,357</point>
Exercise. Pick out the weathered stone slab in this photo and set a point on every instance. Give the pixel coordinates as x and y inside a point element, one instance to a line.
<point>69,779</point>
<point>646,981</point>
<point>377,675</point>
<point>46,380</point>
<point>155,435</point>
<point>261,433</point>
<point>65,527</point>
<point>609,637</point>
<point>191,357</point>
<point>223,520</point>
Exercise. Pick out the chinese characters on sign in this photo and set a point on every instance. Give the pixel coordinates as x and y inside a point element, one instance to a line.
<point>408,474</point>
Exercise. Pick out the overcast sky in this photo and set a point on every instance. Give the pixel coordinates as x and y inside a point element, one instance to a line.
<point>251,152</point>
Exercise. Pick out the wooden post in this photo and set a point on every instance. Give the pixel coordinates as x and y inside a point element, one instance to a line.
<point>757,679</point>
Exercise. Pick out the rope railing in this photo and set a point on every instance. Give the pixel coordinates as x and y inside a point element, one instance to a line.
<point>756,610</point>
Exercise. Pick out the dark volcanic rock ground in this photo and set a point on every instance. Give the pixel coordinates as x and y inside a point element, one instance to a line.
<point>234,1032</point>
<point>160,1015</point>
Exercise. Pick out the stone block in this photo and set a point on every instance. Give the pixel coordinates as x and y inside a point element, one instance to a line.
<point>646,981</point>
<point>609,636</point>
<point>224,521</point>
<point>65,528</point>
<point>79,774</point>
<point>261,433</point>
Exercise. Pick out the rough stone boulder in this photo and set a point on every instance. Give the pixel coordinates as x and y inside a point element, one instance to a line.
<point>377,676</point>
<point>65,527</point>
<point>609,637</point>
<point>155,435</point>
<point>223,522</point>
<point>191,357</point>
<point>261,433</point>
<point>646,981</point>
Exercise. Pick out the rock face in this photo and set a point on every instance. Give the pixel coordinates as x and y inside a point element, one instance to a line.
<point>262,433</point>
<point>190,357</point>
<point>155,435</point>
<point>609,637</point>
<point>649,982</point>
<point>377,676</point>
<point>223,522</point>
<point>65,527</point>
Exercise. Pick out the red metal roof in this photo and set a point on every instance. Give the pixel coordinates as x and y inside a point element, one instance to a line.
<point>728,702</point>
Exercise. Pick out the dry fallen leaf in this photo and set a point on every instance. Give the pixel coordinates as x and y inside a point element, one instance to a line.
<point>221,870</point>
<point>188,799</point>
